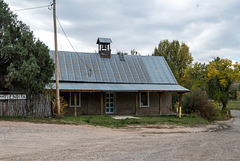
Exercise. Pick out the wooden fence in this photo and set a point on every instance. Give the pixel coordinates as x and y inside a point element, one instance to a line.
<point>38,106</point>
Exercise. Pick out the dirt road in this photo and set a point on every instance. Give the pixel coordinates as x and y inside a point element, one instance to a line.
<point>27,141</point>
<point>236,114</point>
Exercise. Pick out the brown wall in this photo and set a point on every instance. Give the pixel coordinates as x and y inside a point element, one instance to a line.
<point>125,104</point>
<point>153,105</point>
<point>90,105</point>
<point>153,108</point>
<point>166,103</point>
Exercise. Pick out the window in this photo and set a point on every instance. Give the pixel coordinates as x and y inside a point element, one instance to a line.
<point>71,100</point>
<point>144,99</point>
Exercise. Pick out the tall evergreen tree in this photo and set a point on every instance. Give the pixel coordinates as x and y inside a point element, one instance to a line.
<point>25,64</point>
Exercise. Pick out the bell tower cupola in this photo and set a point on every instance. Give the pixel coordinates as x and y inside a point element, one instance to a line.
<point>104,47</point>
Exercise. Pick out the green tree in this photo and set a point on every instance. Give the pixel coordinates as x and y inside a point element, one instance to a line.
<point>25,64</point>
<point>221,75</point>
<point>177,56</point>
<point>194,76</point>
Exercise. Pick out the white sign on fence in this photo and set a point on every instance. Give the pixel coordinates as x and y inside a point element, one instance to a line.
<point>13,96</point>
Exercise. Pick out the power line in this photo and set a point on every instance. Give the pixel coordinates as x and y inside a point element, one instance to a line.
<point>23,9</point>
<point>72,45</point>
<point>50,7</point>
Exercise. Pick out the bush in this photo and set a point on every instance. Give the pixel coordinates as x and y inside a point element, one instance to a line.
<point>175,99</point>
<point>196,102</point>
<point>223,114</point>
<point>63,103</point>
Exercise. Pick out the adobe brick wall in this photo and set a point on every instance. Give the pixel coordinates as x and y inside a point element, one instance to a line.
<point>153,105</point>
<point>90,105</point>
<point>125,103</point>
<point>93,104</point>
<point>166,103</point>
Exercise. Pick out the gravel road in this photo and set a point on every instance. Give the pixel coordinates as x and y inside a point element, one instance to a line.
<point>236,114</point>
<point>28,141</point>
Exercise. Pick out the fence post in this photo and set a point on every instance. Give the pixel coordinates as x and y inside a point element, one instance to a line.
<point>1,108</point>
<point>4,108</point>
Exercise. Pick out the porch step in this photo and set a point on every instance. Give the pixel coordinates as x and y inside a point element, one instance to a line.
<point>124,117</point>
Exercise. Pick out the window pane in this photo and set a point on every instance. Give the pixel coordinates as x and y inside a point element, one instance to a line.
<point>144,99</point>
<point>107,109</point>
<point>72,94</point>
<point>111,109</point>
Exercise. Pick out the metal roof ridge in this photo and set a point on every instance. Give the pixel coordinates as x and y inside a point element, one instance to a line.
<point>71,52</point>
<point>66,81</point>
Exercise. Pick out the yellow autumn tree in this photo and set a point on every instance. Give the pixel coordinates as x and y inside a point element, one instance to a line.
<point>222,73</point>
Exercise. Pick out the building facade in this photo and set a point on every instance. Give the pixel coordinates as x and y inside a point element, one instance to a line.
<point>104,83</point>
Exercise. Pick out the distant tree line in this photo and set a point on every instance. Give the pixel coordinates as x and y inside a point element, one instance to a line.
<point>132,52</point>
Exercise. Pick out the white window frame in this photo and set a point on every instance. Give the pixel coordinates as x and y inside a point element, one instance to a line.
<point>140,105</point>
<point>70,95</point>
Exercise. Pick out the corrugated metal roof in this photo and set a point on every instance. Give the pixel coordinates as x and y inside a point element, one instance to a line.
<point>135,69</point>
<point>104,40</point>
<point>120,87</point>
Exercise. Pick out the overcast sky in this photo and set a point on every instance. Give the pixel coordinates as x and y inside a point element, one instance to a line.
<point>209,27</point>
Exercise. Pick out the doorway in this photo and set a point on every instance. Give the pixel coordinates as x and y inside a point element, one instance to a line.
<point>110,103</point>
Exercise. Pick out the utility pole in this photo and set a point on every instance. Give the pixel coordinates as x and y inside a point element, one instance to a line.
<point>56,58</point>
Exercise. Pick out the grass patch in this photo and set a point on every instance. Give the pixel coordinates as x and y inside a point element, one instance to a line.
<point>233,105</point>
<point>108,121</point>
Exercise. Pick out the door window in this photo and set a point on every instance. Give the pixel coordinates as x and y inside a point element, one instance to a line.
<point>110,103</point>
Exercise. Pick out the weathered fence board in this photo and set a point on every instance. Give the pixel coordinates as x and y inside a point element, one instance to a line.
<point>38,106</point>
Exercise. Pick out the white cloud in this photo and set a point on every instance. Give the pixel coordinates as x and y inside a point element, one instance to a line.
<point>210,28</point>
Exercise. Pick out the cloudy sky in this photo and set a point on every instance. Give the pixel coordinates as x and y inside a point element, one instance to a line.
<point>209,28</point>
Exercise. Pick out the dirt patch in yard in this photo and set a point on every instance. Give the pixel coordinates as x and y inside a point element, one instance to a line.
<point>168,129</point>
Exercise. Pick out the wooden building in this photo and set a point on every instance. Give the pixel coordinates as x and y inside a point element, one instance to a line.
<point>104,83</point>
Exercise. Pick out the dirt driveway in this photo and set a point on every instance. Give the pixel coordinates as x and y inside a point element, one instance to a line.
<point>28,141</point>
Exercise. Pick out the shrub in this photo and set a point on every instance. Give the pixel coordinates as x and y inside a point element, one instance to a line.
<point>63,103</point>
<point>175,99</point>
<point>223,114</point>
<point>209,112</point>
<point>196,102</point>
